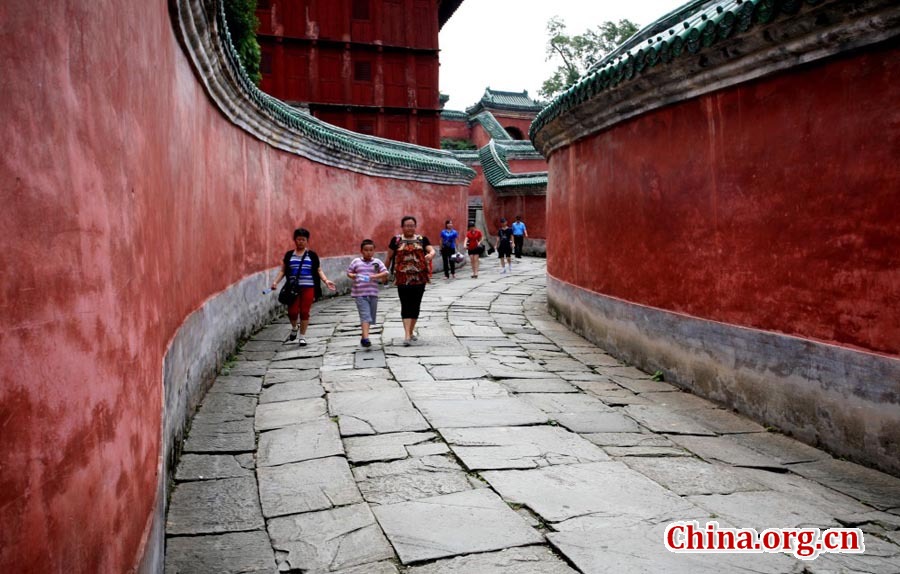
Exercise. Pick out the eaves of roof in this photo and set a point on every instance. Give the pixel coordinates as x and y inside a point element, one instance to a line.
<point>495,165</point>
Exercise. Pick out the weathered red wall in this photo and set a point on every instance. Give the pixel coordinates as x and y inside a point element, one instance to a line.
<point>523,124</point>
<point>128,201</point>
<point>477,185</point>
<point>782,213</point>
<point>527,165</point>
<point>532,208</point>
<point>455,129</point>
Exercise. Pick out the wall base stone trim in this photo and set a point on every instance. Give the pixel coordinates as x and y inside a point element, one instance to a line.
<point>843,400</point>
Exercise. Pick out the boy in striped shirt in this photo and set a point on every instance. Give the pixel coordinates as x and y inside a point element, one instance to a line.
<point>364,272</point>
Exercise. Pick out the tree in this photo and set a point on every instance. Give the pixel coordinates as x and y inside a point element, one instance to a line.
<point>579,52</point>
<point>242,24</point>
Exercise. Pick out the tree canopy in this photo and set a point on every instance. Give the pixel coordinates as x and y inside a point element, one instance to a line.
<point>242,24</point>
<point>579,52</point>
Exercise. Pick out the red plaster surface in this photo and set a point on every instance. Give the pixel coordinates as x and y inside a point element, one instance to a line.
<point>771,205</point>
<point>453,129</point>
<point>128,202</point>
<point>527,165</point>
<point>532,208</point>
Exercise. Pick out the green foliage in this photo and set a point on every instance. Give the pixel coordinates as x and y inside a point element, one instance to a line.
<point>242,24</point>
<point>579,52</point>
<point>658,376</point>
<point>448,143</point>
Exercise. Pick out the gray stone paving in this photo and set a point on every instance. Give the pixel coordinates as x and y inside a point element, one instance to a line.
<point>499,442</point>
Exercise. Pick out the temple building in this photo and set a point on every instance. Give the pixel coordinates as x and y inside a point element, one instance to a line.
<point>370,66</point>
<point>512,174</point>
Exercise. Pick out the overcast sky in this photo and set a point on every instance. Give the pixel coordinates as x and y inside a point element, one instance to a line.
<point>502,43</point>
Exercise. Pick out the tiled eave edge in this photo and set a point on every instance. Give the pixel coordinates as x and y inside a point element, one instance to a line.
<point>199,25</point>
<point>497,173</point>
<point>629,87</point>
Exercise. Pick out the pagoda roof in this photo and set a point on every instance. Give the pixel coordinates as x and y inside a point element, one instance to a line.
<point>446,8</point>
<point>500,100</point>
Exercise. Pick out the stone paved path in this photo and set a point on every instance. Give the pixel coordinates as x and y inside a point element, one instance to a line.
<point>500,443</point>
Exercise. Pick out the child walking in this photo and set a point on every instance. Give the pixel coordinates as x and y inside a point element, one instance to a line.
<point>365,271</point>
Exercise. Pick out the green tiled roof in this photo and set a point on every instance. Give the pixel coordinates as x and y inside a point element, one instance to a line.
<point>687,30</point>
<point>209,45</point>
<point>454,115</point>
<point>490,124</point>
<point>495,165</point>
<point>515,101</point>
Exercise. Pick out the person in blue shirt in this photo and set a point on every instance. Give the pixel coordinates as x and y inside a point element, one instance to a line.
<point>448,249</point>
<point>519,234</point>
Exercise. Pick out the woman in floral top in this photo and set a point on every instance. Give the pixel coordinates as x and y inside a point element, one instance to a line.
<point>410,255</point>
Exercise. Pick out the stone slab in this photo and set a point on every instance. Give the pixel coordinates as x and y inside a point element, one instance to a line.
<point>238,385</point>
<point>721,421</point>
<point>209,467</point>
<point>779,447</point>
<point>369,359</point>
<point>223,407</point>
<point>277,415</point>
<point>214,506</point>
<point>664,420</point>
<point>870,486</point>
<point>247,368</point>
<point>231,553</point>
<point>355,375</point>
<point>373,568</point>
<point>275,376</point>
<point>230,436</point>
<point>297,443</point>
<point>726,450</point>
<point>329,540</point>
<point>457,372</point>
<point>558,493</point>
<point>761,510</point>
<point>638,549</point>
<point>553,403</point>
<point>384,447</point>
<point>293,391</point>
<point>596,422</point>
<point>456,413</point>
<point>375,412</point>
<point>306,486</point>
<point>523,560</point>
<point>519,447</point>
<point>466,389</point>
<point>453,524</point>
<point>690,476</point>
<point>410,479</point>
<point>299,364</point>
<point>539,386</point>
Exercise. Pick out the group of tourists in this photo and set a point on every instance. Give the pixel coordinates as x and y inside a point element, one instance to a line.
<point>409,258</point>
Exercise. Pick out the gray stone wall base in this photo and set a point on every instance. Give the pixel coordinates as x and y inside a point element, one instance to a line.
<point>843,400</point>
<point>534,247</point>
<point>197,352</point>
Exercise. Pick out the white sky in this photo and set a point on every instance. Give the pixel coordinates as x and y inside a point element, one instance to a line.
<point>502,43</point>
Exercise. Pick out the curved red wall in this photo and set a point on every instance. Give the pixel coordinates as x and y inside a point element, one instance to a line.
<point>771,205</point>
<point>128,201</point>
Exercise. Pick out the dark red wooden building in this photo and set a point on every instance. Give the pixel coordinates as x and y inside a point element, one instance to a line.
<point>370,66</point>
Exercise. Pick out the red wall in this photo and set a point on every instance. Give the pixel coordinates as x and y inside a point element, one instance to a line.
<point>532,208</point>
<point>128,202</point>
<point>323,53</point>
<point>771,205</point>
<point>527,165</point>
<point>455,129</point>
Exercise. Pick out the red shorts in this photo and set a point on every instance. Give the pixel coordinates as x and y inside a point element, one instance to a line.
<point>302,304</point>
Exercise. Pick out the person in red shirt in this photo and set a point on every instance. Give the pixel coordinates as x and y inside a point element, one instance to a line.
<point>474,248</point>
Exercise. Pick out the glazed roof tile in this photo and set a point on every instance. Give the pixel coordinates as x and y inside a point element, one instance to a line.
<point>695,25</point>
<point>495,165</point>
<point>505,101</point>
<point>209,43</point>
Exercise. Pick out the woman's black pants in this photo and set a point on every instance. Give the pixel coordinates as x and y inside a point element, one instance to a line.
<point>449,263</point>
<point>410,300</point>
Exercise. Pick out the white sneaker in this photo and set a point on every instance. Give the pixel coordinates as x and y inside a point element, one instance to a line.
<point>302,341</point>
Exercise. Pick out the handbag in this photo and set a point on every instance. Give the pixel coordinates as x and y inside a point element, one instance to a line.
<point>291,289</point>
